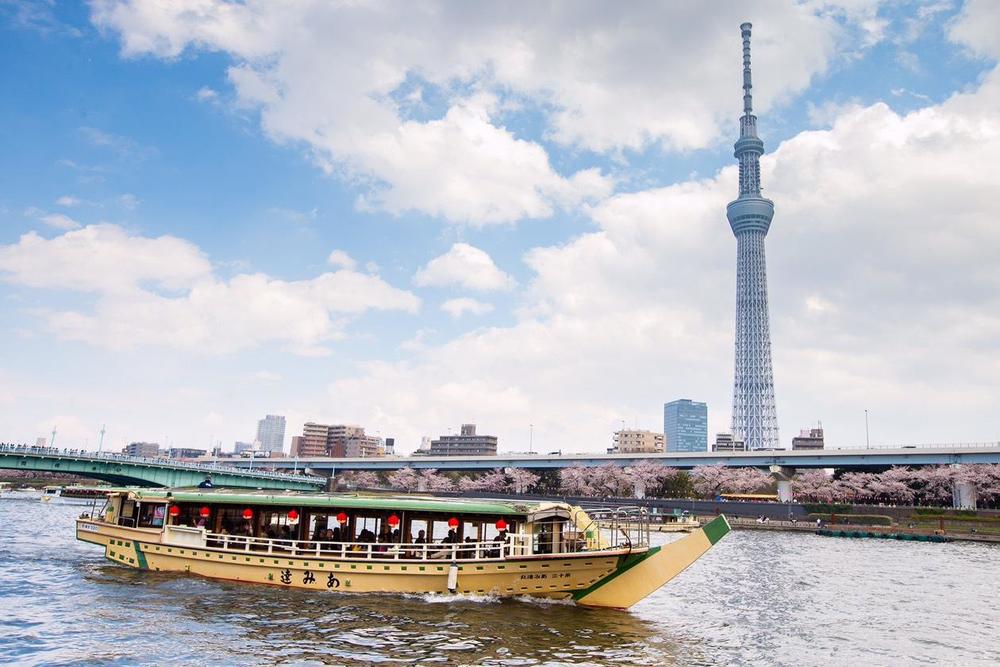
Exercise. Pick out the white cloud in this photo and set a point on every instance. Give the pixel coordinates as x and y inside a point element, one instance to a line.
<point>462,305</point>
<point>59,221</point>
<point>976,27</point>
<point>333,78</point>
<point>206,94</point>
<point>162,291</point>
<point>128,201</point>
<point>464,265</point>
<point>885,294</point>
<point>341,259</point>
<point>68,201</point>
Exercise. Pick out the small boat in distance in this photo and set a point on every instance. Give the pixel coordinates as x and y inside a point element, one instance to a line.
<point>383,543</point>
<point>74,495</point>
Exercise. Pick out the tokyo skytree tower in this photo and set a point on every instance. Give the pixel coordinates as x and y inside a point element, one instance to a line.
<point>754,418</point>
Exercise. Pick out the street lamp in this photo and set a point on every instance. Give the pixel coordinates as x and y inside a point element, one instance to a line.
<point>868,442</point>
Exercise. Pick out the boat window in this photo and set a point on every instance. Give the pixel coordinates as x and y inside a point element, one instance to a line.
<point>416,526</point>
<point>230,521</point>
<point>152,516</point>
<point>127,515</point>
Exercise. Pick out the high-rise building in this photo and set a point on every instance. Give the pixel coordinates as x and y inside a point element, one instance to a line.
<point>809,438</point>
<point>149,450</point>
<point>754,417</point>
<point>635,441</point>
<point>685,426</point>
<point>271,433</point>
<point>467,443</point>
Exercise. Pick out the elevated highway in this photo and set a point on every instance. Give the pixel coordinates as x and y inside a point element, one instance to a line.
<point>852,459</point>
<point>135,471</point>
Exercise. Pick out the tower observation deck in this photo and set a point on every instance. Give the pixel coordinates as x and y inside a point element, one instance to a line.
<point>754,417</point>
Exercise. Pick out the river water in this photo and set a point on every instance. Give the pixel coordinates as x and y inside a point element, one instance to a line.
<point>756,599</point>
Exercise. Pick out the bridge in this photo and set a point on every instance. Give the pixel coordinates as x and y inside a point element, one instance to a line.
<point>850,459</point>
<point>136,471</point>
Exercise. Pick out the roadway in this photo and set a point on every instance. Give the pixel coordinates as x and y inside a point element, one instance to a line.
<point>853,459</point>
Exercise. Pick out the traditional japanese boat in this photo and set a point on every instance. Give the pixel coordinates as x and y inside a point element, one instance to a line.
<point>375,543</point>
<point>73,495</point>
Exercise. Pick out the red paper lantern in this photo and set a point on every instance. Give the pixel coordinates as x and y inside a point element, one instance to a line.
<point>204,512</point>
<point>393,520</point>
<point>501,524</point>
<point>175,510</point>
<point>292,515</point>
<point>453,522</point>
<point>248,514</point>
<point>342,518</point>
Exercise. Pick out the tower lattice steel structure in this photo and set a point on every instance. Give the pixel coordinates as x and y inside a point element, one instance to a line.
<point>754,418</point>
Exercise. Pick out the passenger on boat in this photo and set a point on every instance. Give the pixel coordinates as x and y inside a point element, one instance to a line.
<point>421,537</point>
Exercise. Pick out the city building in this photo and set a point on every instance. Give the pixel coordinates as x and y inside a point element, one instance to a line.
<point>466,443</point>
<point>635,441</point>
<point>809,438</point>
<point>149,450</point>
<point>336,441</point>
<point>271,433</point>
<point>241,447</point>
<point>185,453</point>
<point>755,418</point>
<point>390,446</point>
<point>725,442</point>
<point>685,426</point>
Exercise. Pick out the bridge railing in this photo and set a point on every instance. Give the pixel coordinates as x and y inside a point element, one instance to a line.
<point>170,463</point>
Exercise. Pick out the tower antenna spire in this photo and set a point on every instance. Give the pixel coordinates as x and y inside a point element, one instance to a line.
<point>747,81</point>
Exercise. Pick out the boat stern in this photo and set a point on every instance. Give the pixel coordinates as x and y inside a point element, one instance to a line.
<point>639,575</point>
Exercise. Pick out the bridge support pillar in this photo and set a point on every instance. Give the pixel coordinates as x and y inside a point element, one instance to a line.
<point>639,489</point>
<point>422,485</point>
<point>964,495</point>
<point>783,477</point>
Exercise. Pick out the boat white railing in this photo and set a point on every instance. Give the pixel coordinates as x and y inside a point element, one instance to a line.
<point>515,545</point>
<point>624,527</point>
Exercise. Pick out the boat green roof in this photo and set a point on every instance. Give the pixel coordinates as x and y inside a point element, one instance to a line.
<point>347,501</point>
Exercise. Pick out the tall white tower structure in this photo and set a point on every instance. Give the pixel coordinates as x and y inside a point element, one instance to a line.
<point>755,420</point>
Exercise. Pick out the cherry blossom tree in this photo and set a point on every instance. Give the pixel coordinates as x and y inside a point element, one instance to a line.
<point>361,479</point>
<point>813,485</point>
<point>648,474</point>
<point>432,480</point>
<point>711,480</point>
<point>748,480</point>
<point>404,479</point>
<point>611,480</point>
<point>575,481</point>
<point>520,480</point>
<point>470,484</point>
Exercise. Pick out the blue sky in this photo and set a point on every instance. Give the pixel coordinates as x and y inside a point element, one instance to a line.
<point>184,177</point>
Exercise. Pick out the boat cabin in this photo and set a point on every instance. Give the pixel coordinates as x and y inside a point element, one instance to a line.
<point>354,525</point>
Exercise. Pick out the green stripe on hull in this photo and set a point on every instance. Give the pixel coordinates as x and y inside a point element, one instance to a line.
<point>716,529</point>
<point>140,558</point>
<point>626,564</point>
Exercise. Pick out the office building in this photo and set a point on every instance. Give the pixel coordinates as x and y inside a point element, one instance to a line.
<point>725,442</point>
<point>241,447</point>
<point>809,438</point>
<point>186,453</point>
<point>271,433</point>
<point>336,441</point>
<point>635,441</point>
<point>755,418</point>
<point>467,443</point>
<point>149,450</point>
<point>685,426</point>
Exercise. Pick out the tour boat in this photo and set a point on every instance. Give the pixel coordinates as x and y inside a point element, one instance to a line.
<point>375,543</point>
<point>73,495</point>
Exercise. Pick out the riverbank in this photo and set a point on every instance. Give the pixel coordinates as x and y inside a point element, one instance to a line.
<point>739,523</point>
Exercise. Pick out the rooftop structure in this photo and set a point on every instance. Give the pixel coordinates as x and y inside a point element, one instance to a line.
<point>754,416</point>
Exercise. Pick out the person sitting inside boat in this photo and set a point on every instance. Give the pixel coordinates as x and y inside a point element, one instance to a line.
<point>498,542</point>
<point>421,537</point>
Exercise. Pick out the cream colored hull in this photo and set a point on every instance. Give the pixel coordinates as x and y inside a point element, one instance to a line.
<point>603,579</point>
